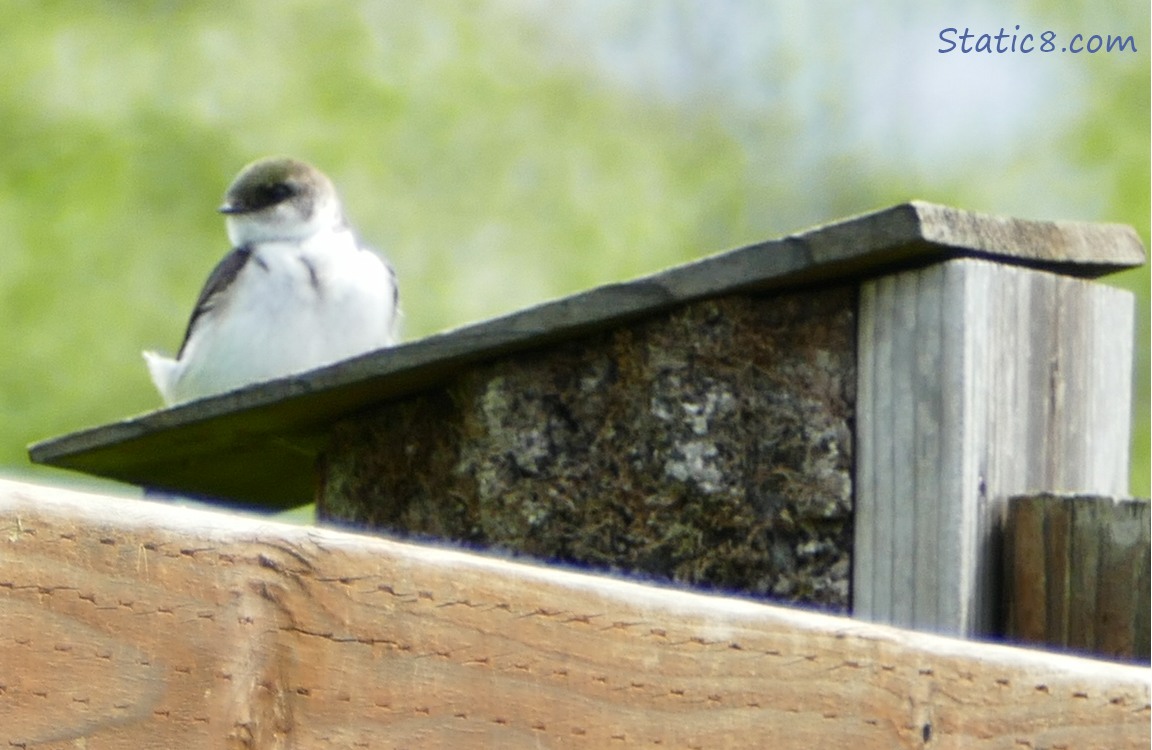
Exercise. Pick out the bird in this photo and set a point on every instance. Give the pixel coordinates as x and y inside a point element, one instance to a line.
<point>296,292</point>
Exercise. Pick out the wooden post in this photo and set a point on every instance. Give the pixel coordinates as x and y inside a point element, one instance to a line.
<point>977,381</point>
<point>129,624</point>
<point>1077,574</point>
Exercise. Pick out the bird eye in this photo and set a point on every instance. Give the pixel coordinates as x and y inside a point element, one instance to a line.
<point>277,192</point>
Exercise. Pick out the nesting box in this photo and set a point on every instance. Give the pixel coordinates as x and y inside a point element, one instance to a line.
<point>835,418</point>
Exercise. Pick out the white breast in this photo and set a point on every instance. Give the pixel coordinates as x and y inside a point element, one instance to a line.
<point>293,307</point>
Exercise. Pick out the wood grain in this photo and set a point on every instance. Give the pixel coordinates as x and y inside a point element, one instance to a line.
<point>1077,574</point>
<point>128,624</point>
<point>977,381</point>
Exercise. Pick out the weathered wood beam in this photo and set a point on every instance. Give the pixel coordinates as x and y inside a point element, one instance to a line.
<point>977,381</point>
<point>127,624</point>
<point>1077,574</point>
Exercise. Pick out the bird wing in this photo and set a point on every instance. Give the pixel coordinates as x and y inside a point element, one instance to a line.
<point>394,327</point>
<point>395,285</point>
<point>219,280</point>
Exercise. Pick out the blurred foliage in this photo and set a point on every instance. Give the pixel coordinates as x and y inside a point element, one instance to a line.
<point>487,148</point>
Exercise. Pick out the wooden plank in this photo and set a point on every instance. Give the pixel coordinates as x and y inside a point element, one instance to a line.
<point>981,381</point>
<point>902,430</point>
<point>1078,574</point>
<point>127,624</point>
<point>255,445</point>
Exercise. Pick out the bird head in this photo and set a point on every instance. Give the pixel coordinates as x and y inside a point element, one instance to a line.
<point>279,199</point>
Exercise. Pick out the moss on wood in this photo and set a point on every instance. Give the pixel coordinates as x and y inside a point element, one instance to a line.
<point>710,445</point>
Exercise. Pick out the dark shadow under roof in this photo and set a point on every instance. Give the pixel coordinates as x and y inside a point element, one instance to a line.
<point>258,445</point>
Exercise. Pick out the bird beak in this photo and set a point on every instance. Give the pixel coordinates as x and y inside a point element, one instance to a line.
<point>230,208</point>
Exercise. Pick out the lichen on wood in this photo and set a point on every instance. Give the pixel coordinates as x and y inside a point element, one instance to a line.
<point>709,445</point>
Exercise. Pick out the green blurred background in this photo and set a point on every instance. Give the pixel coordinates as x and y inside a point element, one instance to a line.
<point>504,153</point>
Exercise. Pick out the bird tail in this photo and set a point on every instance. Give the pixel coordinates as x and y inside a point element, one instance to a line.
<point>163,372</point>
